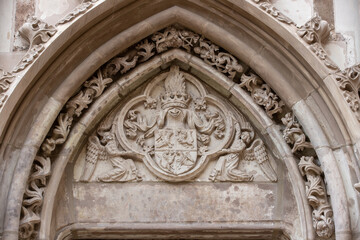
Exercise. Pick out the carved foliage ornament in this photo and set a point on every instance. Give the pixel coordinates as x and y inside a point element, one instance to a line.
<point>79,10</point>
<point>317,197</point>
<point>6,79</point>
<point>262,93</point>
<point>293,134</point>
<point>273,11</point>
<point>314,32</point>
<point>349,83</point>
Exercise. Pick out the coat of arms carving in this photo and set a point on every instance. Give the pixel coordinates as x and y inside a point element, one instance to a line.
<point>175,128</point>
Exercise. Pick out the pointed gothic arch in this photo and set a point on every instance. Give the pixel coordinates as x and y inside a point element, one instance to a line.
<point>255,38</point>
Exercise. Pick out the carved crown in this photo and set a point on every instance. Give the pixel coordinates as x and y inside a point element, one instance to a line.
<point>175,90</point>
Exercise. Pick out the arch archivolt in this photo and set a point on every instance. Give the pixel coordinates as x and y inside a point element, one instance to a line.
<point>260,104</point>
<point>250,88</point>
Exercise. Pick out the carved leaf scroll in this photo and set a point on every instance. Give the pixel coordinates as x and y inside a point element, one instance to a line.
<point>262,94</point>
<point>293,134</point>
<point>316,193</point>
<point>349,83</point>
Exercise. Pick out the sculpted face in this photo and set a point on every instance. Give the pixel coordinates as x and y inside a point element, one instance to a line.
<point>175,112</point>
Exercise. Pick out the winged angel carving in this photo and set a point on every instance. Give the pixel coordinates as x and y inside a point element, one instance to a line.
<point>175,128</point>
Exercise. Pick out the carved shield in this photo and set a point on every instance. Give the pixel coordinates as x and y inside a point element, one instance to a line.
<point>175,150</point>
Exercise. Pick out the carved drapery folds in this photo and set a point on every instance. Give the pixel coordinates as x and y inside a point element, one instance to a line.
<point>349,83</point>
<point>207,132</point>
<point>317,197</point>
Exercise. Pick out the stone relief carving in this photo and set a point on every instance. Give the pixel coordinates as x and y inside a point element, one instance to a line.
<point>243,148</point>
<point>273,11</point>
<point>314,32</point>
<point>293,134</point>
<point>176,127</point>
<point>6,79</point>
<point>316,193</point>
<point>321,53</point>
<point>33,197</point>
<point>175,136</point>
<point>124,169</point>
<point>349,83</point>
<point>262,94</point>
<point>79,10</point>
<point>36,31</point>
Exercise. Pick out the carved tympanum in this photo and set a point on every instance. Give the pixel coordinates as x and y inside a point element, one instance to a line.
<point>175,128</point>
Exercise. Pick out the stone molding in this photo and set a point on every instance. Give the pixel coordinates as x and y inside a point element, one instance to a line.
<point>314,32</point>
<point>171,37</point>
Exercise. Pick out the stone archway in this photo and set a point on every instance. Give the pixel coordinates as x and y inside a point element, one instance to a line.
<point>274,67</point>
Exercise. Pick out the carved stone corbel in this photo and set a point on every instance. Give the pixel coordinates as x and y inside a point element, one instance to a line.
<point>349,84</point>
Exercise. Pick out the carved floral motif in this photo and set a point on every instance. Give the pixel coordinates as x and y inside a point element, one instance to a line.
<point>79,10</point>
<point>316,193</point>
<point>321,53</point>
<point>314,32</point>
<point>273,11</point>
<point>33,196</point>
<point>349,83</point>
<point>293,134</point>
<point>262,94</point>
<point>6,79</point>
<point>36,32</point>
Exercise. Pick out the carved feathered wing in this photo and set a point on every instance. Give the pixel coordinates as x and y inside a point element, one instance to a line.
<point>94,152</point>
<point>257,151</point>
